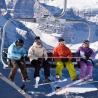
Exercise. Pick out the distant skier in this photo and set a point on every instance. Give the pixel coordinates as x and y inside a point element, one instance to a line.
<point>60,52</point>
<point>16,54</point>
<point>38,57</point>
<point>86,64</point>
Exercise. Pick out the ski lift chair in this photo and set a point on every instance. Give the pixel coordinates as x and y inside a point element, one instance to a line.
<point>52,61</point>
<point>7,62</point>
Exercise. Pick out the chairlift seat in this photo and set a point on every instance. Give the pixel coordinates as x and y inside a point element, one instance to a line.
<point>50,59</point>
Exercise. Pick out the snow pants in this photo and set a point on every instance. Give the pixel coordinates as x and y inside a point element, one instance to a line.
<point>38,65</point>
<point>69,66</point>
<point>86,69</point>
<point>15,65</point>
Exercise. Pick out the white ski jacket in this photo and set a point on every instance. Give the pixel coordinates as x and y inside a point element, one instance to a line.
<point>37,51</point>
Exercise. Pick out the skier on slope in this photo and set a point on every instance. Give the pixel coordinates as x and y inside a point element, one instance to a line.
<point>62,51</point>
<point>85,62</point>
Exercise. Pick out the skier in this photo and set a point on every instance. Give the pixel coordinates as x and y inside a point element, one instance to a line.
<point>86,55</point>
<point>38,58</point>
<point>63,57</point>
<point>16,54</point>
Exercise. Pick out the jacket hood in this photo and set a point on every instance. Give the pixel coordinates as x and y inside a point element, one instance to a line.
<point>36,45</point>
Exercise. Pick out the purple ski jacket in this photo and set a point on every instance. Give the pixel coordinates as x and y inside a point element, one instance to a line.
<point>86,53</point>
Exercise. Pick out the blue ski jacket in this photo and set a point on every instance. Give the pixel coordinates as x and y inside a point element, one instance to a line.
<point>15,52</point>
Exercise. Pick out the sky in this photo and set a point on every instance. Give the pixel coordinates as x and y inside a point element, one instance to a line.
<point>79,4</point>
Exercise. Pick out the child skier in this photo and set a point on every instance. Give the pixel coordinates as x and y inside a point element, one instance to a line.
<point>86,55</point>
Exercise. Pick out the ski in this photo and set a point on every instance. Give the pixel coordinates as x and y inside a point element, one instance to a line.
<point>66,86</point>
<point>88,82</point>
<point>46,83</point>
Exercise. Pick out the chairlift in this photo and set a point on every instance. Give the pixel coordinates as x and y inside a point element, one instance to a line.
<point>6,40</point>
<point>63,27</point>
